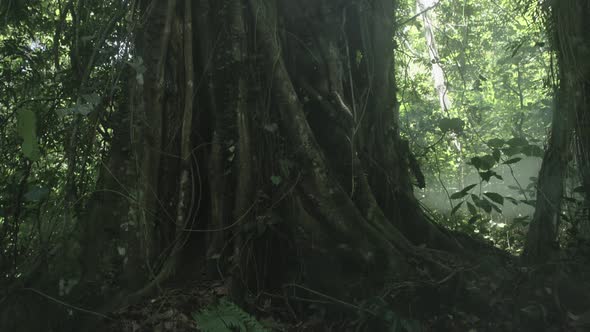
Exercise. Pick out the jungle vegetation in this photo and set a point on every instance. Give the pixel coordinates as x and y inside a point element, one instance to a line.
<point>310,165</point>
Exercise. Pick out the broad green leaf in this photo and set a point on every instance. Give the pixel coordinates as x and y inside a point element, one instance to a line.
<point>458,195</point>
<point>533,151</point>
<point>579,189</point>
<point>512,200</point>
<point>276,180</point>
<point>463,192</point>
<point>496,143</point>
<point>495,197</point>
<point>469,187</point>
<point>451,124</point>
<point>512,161</point>
<point>484,162</point>
<point>571,200</point>
<point>485,176</point>
<point>497,154</point>
<point>512,150</point>
<point>518,141</point>
<point>488,174</point>
<point>483,203</point>
<point>456,207</point>
<point>496,208</point>
<point>27,130</point>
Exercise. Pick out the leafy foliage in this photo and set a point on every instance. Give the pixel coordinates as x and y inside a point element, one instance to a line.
<point>27,130</point>
<point>495,64</point>
<point>226,316</point>
<point>61,80</point>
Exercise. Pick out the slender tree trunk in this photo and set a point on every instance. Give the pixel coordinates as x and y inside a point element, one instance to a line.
<point>570,41</point>
<point>581,106</point>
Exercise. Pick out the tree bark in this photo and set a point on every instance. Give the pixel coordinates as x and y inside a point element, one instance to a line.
<point>267,130</point>
<point>570,42</point>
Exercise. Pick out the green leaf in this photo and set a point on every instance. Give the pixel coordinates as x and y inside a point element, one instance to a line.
<point>276,180</point>
<point>485,176</point>
<point>484,204</point>
<point>495,197</point>
<point>512,200</point>
<point>496,143</point>
<point>451,124</point>
<point>497,154</point>
<point>512,161</point>
<point>484,162</point>
<point>488,174</point>
<point>496,208</point>
<point>456,207</point>
<point>469,187</point>
<point>458,195</point>
<point>533,151</point>
<point>518,142</point>
<point>27,130</point>
<point>579,189</point>
<point>512,150</point>
<point>463,192</point>
<point>571,200</point>
<point>226,317</point>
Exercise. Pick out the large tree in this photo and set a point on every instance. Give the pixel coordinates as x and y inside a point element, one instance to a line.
<point>254,140</point>
<point>259,137</point>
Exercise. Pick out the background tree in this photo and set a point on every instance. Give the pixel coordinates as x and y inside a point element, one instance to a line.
<point>570,41</point>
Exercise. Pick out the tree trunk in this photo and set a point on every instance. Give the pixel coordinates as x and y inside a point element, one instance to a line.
<point>579,82</point>
<point>264,143</point>
<point>571,42</point>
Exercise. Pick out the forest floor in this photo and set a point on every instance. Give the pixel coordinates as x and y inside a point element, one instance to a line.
<point>495,294</point>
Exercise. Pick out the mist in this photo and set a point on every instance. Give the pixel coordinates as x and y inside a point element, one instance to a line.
<point>520,175</point>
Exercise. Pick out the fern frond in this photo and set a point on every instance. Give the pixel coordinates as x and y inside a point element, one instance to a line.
<point>226,316</point>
